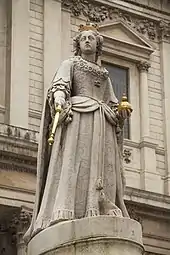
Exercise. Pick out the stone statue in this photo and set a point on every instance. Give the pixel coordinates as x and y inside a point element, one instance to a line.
<point>81,174</point>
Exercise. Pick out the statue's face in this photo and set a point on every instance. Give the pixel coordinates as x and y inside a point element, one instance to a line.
<point>88,42</point>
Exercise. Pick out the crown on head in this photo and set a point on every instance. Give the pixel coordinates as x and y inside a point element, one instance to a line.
<point>88,26</point>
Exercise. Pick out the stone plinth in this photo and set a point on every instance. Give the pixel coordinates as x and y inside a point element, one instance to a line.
<point>101,235</point>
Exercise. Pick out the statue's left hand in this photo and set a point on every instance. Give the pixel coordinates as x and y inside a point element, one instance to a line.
<point>125,114</point>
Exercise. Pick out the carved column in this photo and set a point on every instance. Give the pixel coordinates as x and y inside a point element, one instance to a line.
<point>149,179</point>
<point>52,39</point>
<point>66,34</point>
<point>19,94</point>
<point>164,36</point>
<point>144,101</point>
<point>19,226</point>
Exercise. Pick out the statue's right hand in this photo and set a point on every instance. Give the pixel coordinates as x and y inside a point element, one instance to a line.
<point>59,101</point>
<point>59,98</point>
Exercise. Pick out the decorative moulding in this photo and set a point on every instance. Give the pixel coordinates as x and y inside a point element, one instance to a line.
<point>127,153</point>
<point>127,33</point>
<point>18,149</point>
<point>18,132</point>
<point>139,145</point>
<point>35,114</point>
<point>149,198</point>
<point>2,109</point>
<point>122,41</point>
<point>100,12</point>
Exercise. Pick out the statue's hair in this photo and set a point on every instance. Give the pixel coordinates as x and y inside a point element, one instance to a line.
<point>76,44</point>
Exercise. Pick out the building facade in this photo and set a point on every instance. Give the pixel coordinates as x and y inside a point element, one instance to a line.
<point>35,37</point>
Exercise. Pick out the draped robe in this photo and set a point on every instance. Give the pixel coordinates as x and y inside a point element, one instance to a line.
<point>85,157</point>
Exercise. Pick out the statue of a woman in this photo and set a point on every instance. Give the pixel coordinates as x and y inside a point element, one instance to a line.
<point>81,174</point>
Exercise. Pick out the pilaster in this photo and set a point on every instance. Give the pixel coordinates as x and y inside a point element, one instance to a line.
<point>149,178</point>
<point>52,40</point>
<point>144,101</point>
<point>66,34</point>
<point>19,96</point>
<point>164,36</point>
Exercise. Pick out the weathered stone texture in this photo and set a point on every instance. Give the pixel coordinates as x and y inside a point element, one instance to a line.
<point>155,94</point>
<point>36,62</point>
<point>3,44</point>
<point>96,235</point>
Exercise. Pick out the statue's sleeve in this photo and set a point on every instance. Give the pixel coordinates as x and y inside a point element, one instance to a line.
<point>113,103</point>
<point>109,95</point>
<point>62,81</point>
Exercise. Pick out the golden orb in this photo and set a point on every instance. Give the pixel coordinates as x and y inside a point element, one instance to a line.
<point>124,104</point>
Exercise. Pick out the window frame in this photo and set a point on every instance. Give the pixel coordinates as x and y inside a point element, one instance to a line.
<point>133,92</point>
<point>127,92</point>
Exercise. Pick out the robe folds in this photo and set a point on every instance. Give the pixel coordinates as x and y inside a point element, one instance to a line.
<point>86,156</point>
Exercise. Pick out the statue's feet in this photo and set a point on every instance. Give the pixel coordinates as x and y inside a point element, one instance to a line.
<point>92,212</point>
<point>115,212</point>
<point>61,215</point>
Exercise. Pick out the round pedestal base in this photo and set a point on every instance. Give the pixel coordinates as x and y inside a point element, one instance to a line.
<point>100,235</point>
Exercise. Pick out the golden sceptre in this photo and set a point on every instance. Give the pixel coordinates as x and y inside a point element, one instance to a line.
<point>124,104</point>
<point>56,118</point>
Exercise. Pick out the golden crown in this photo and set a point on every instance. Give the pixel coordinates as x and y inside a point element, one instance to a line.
<point>88,26</point>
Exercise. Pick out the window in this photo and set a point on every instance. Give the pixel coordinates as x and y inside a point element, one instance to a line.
<point>119,78</point>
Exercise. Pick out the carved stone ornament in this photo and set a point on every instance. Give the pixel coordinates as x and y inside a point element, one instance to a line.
<point>164,30</point>
<point>132,210</point>
<point>127,156</point>
<point>19,224</point>
<point>95,12</point>
<point>143,66</point>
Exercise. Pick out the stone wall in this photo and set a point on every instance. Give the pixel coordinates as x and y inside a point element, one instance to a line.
<point>155,99</point>
<point>3,51</point>
<point>36,63</point>
<point>156,111</point>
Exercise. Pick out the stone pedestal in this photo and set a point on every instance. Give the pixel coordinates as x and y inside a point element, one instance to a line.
<point>101,235</point>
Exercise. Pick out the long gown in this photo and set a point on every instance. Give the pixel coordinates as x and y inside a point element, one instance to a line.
<point>85,157</point>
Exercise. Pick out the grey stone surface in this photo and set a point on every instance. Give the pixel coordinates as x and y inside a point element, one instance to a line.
<point>82,174</point>
<point>94,235</point>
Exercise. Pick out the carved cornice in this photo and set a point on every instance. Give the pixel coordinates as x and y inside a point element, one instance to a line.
<point>149,5</point>
<point>14,157</point>
<point>19,133</point>
<point>18,149</point>
<point>143,66</point>
<point>143,196</point>
<point>95,12</point>
<point>17,163</point>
